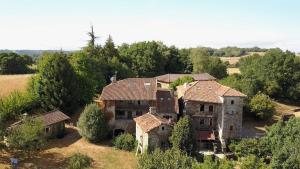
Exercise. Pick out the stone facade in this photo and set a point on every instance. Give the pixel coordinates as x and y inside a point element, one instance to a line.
<point>155,138</point>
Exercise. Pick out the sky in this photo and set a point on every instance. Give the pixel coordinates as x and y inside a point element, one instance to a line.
<point>63,24</point>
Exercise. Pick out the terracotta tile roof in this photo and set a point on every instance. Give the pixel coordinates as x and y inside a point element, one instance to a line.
<point>166,102</point>
<point>54,117</point>
<point>148,121</point>
<point>210,91</point>
<point>169,78</point>
<point>130,89</point>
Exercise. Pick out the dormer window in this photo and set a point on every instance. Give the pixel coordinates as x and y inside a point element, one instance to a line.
<point>232,102</point>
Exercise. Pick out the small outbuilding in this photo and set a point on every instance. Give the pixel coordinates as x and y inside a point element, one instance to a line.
<point>152,132</point>
<point>54,122</point>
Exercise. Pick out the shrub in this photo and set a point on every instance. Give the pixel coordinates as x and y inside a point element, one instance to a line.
<point>125,142</point>
<point>181,81</point>
<point>92,124</point>
<point>28,136</point>
<point>79,161</point>
<point>262,106</point>
<point>252,162</point>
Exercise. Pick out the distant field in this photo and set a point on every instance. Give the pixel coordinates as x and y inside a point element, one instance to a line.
<point>234,60</point>
<point>10,83</point>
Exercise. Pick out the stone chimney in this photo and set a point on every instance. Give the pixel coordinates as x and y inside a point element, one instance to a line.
<point>113,79</point>
<point>152,110</point>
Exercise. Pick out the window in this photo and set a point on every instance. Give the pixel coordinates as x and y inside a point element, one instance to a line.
<point>129,114</point>
<point>138,113</point>
<point>169,98</point>
<point>201,107</point>
<point>231,128</point>
<point>47,129</point>
<point>167,117</point>
<point>139,102</point>
<point>201,122</point>
<point>210,122</point>
<point>211,108</point>
<point>232,101</point>
<point>120,114</point>
<point>161,98</point>
<point>162,128</point>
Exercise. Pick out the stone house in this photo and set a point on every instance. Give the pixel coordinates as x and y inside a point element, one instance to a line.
<point>152,131</point>
<point>123,100</point>
<point>216,112</point>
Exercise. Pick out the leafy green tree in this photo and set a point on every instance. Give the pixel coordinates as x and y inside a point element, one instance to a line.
<point>185,60</point>
<point>181,81</point>
<point>146,59</point>
<point>182,135</point>
<point>90,77</point>
<point>171,158</point>
<point>174,64</point>
<point>92,124</point>
<point>57,83</point>
<point>245,147</point>
<point>109,50</point>
<point>12,63</point>
<point>203,62</point>
<point>209,163</point>
<point>276,74</point>
<point>28,136</point>
<point>262,106</point>
<point>79,161</point>
<point>252,162</point>
<point>125,142</point>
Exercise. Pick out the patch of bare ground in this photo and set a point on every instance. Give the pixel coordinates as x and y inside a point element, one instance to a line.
<point>58,150</point>
<point>10,83</point>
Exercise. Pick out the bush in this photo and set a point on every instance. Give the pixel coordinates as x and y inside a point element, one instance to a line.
<point>181,81</point>
<point>28,136</point>
<point>171,158</point>
<point>92,124</point>
<point>125,142</point>
<point>262,106</point>
<point>252,162</point>
<point>79,161</point>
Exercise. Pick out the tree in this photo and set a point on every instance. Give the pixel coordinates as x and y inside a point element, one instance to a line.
<point>252,162</point>
<point>171,158</point>
<point>109,50</point>
<point>92,124</point>
<point>204,62</point>
<point>182,135</point>
<point>181,81</point>
<point>262,106</point>
<point>56,84</point>
<point>209,163</point>
<point>12,63</point>
<point>125,142</point>
<point>28,136</point>
<point>90,76</point>
<point>277,74</point>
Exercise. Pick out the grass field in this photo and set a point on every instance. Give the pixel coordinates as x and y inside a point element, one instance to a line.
<point>234,60</point>
<point>10,83</point>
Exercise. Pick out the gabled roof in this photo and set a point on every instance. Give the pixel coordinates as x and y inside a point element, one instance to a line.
<point>210,91</point>
<point>130,89</point>
<point>169,78</point>
<point>54,117</point>
<point>149,121</point>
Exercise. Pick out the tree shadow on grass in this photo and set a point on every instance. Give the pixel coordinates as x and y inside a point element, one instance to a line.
<point>70,137</point>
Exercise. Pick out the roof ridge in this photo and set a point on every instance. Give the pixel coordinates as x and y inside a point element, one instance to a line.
<point>191,87</point>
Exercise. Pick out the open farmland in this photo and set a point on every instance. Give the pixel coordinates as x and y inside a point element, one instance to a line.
<point>234,60</point>
<point>10,83</point>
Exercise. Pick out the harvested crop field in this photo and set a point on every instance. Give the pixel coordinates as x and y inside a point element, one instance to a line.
<point>10,83</point>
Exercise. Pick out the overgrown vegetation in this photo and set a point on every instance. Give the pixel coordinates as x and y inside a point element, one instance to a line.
<point>181,81</point>
<point>125,142</point>
<point>79,161</point>
<point>280,147</point>
<point>28,136</point>
<point>92,124</point>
